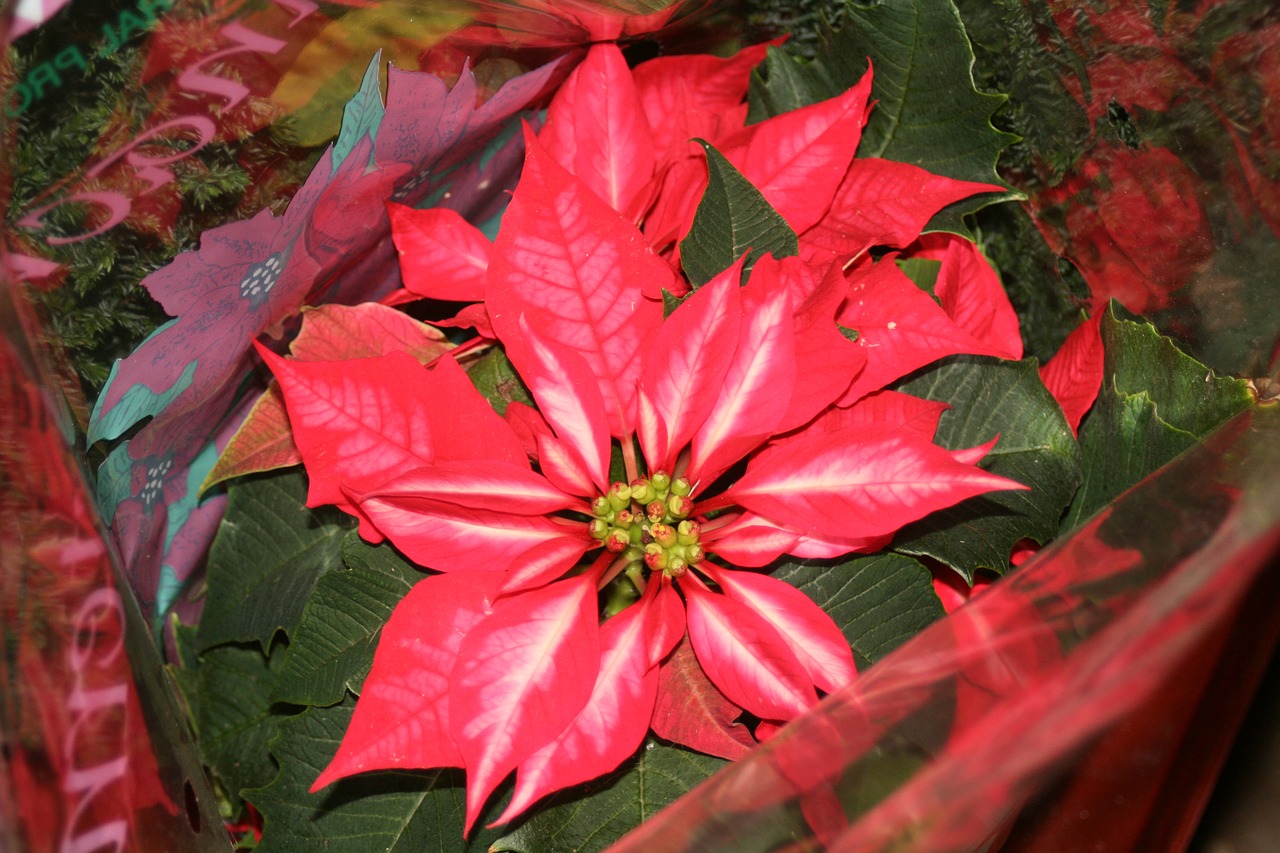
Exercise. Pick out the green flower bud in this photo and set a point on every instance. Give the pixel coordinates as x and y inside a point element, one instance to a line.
<point>655,557</point>
<point>676,568</point>
<point>688,531</point>
<point>663,534</point>
<point>598,528</point>
<point>655,511</point>
<point>617,540</point>
<point>679,506</point>
<point>642,491</point>
<point>619,496</point>
<point>660,480</point>
<point>681,486</point>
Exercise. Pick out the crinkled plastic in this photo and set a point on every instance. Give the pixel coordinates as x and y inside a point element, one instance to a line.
<point>1071,684</point>
<point>1086,699</point>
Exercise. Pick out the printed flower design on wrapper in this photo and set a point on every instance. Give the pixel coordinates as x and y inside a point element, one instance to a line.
<point>744,430</point>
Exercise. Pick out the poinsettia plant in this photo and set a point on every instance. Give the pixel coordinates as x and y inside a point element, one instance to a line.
<point>586,418</point>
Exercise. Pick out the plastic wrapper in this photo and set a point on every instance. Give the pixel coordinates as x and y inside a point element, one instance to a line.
<point>1084,702</point>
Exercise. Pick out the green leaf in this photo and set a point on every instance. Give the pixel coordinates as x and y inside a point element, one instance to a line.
<point>265,559</point>
<point>1155,402</point>
<point>497,381</point>
<point>593,816</point>
<point>927,112</point>
<point>361,115</point>
<point>990,397</point>
<point>879,601</point>
<point>234,716</point>
<point>331,649</point>
<point>923,272</point>
<point>732,217</point>
<point>670,302</point>
<point>391,811</point>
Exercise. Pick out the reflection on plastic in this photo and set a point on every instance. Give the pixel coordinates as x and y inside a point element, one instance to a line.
<point>94,756</point>
<point>942,742</point>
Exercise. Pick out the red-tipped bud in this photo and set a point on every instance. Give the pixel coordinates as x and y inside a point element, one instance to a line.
<point>624,517</point>
<point>663,534</point>
<point>619,495</point>
<point>600,507</point>
<point>688,531</point>
<point>681,486</point>
<point>598,528</point>
<point>676,567</point>
<point>617,540</point>
<point>679,506</point>
<point>655,510</point>
<point>655,557</point>
<point>661,481</point>
<point>642,491</point>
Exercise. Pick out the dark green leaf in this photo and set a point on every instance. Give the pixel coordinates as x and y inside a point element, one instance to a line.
<point>392,811</point>
<point>990,397</point>
<point>670,302</point>
<point>1155,402</point>
<point>879,601</point>
<point>732,217</point>
<point>595,815</point>
<point>923,272</point>
<point>234,717</point>
<point>497,381</point>
<point>266,558</point>
<point>927,113</point>
<point>331,649</point>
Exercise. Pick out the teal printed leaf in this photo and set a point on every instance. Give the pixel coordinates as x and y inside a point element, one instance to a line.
<point>361,115</point>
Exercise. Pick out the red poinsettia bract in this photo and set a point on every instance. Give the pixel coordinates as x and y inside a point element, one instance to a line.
<point>748,427</point>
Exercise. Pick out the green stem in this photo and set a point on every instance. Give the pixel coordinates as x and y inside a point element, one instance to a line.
<point>635,574</point>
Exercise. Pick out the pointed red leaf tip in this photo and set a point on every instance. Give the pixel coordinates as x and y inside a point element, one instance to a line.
<point>523,674</point>
<point>597,129</point>
<point>574,268</point>
<point>969,289</point>
<point>881,203</point>
<point>356,422</point>
<point>442,256</point>
<point>402,716</point>
<point>1074,374</point>
<point>799,158</point>
<point>609,728</point>
<point>744,656</point>
<point>899,327</point>
<point>861,481</point>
